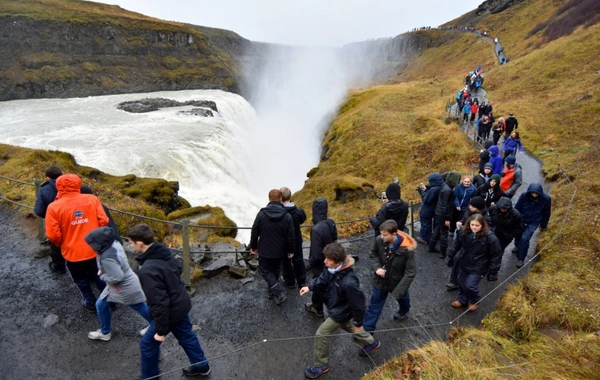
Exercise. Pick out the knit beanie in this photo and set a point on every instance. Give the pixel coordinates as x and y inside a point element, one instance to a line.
<point>477,202</point>
<point>510,160</point>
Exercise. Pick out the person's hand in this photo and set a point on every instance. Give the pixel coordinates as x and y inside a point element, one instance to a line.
<point>380,272</point>
<point>458,225</point>
<point>254,251</point>
<point>159,338</point>
<point>358,329</point>
<point>447,223</point>
<point>304,290</point>
<point>290,255</point>
<point>99,272</point>
<point>458,208</point>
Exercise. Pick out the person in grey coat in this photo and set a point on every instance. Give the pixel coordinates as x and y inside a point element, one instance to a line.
<point>122,284</point>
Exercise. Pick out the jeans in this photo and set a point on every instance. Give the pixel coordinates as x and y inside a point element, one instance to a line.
<point>326,329</point>
<point>376,304</point>
<point>270,270</point>
<point>83,274</point>
<point>58,261</point>
<point>104,313</point>
<point>294,270</point>
<point>522,240</point>
<point>468,287</point>
<point>150,348</point>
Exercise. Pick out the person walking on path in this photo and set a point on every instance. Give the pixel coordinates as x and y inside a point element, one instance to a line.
<point>272,238</point>
<point>466,112</point>
<point>483,177</point>
<point>46,195</point>
<point>122,285</point>
<point>395,209</point>
<point>512,177</point>
<point>294,271</point>
<point>480,254</point>
<point>498,130</point>
<point>511,124</point>
<point>462,196</point>
<point>496,160</point>
<point>535,207</point>
<point>346,306</point>
<point>394,268</point>
<point>443,213</point>
<point>68,219</point>
<point>512,145</point>
<point>474,109</point>
<point>506,220</point>
<point>85,189</point>
<point>323,232</point>
<point>169,303</point>
<point>429,195</point>
<point>491,191</point>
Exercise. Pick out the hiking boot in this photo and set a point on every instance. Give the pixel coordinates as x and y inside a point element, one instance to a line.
<point>144,330</point>
<point>41,253</point>
<point>282,282</point>
<point>54,269</point>
<point>314,371</point>
<point>280,298</point>
<point>97,335</point>
<point>269,295</point>
<point>520,263</point>
<point>515,249</point>
<point>492,277</point>
<point>366,350</point>
<point>189,372</point>
<point>89,308</point>
<point>312,309</point>
<point>457,304</point>
<point>400,316</point>
<point>421,240</point>
<point>451,286</point>
<point>473,307</point>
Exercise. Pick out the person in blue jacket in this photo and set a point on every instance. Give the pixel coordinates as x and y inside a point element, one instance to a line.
<point>496,160</point>
<point>429,195</point>
<point>466,111</point>
<point>462,196</point>
<point>535,207</point>
<point>512,145</point>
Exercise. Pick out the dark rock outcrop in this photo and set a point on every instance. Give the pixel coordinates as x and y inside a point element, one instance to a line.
<point>202,112</point>
<point>495,6</point>
<point>153,104</point>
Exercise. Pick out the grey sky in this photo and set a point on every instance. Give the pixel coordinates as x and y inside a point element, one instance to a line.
<point>305,22</point>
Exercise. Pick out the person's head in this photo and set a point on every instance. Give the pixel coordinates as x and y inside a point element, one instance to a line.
<point>286,194</point>
<point>504,204</point>
<point>476,204</point>
<point>476,224</point>
<point>388,231</point>
<point>515,135</point>
<point>488,169</point>
<point>53,172</point>
<point>511,114</point>
<point>275,195</point>
<point>510,161</point>
<point>393,191</point>
<point>467,181</point>
<point>141,236</point>
<point>334,254</point>
<point>500,120</point>
<point>484,119</point>
<point>494,181</point>
<point>85,189</point>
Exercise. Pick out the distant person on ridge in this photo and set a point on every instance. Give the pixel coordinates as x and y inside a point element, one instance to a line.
<point>272,238</point>
<point>322,233</point>
<point>395,208</point>
<point>294,271</point>
<point>429,195</point>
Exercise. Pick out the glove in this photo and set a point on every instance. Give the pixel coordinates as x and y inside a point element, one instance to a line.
<point>492,277</point>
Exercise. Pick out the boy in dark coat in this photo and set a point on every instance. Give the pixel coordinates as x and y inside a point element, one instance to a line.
<point>395,209</point>
<point>535,207</point>
<point>506,221</point>
<point>322,233</point>
<point>169,303</point>
<point>340,288</point>
<point>443,213</point>
<point>429,195</point>
<point>294,270</point>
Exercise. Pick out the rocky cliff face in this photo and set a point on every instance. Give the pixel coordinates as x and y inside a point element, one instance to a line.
<point>495,6</point>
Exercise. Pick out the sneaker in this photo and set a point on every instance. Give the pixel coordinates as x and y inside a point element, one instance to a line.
<point>144,330</point>
<point>280,298</point>
<point>473,306</point>
<point>400,316</point>
<point>451,286</point>
<point>314,371</point>
<point>457,304</point>
<point>515,249</point>
<point>97,335</point>
<point>366,350</point>
<point>88,308</point>
<point>422,241</point>
<point>520,263</point>
<point>312,309</point>
<point>54,269</point>
<point>189,372</point>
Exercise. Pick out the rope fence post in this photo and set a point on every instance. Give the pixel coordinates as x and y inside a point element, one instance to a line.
<point>185,237</point>
<point>411,219</point>
<point>40,220</point>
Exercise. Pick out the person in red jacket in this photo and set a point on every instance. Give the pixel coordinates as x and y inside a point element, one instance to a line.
<point>68,219</point>
<point>474,110</point>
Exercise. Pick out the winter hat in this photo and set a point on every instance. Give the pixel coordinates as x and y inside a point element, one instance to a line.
<point>477,202</point>
<point>488,166</point>
<point>497,178</point>
<point>510,160</point>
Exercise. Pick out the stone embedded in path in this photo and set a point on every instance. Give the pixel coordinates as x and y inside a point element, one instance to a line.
<point>50,320</point>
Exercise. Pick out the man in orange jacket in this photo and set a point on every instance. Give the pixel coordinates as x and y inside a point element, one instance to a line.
<point>68,219</point>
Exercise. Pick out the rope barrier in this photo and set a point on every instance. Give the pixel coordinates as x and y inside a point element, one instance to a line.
<point>18,181</point>
<point>16,203</point>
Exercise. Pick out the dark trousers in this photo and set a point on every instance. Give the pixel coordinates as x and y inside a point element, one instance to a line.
<point>426,228</point>
<point>317,298</point>
<point>440,232</point>
<point>270,269</point>
<point>294,270</point>
<point>83,274</point>
<point>58,261</point>
<point>468,287</point>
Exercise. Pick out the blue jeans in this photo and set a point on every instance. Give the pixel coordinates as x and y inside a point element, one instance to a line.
<point>522,240</point>
<point>468,287</point>
<point>150,348</point>
<point>376,307</point>
<point>104,313</point>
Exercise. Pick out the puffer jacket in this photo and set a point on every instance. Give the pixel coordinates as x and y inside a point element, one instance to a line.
<point>507,224</point>
<point>399,263</point>
<point>322,233</point>
<point>122,285</point>
<point>480,255</point>
<point>45,196</point>
<point>517,179</point>
<point>273,232</point>
<point>535,210</point>
<point>395,209</point>
<point>72,216</point>
<point>430,195</point>
<point>342,294</point>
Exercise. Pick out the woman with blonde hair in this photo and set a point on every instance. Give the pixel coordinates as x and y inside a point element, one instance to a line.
<point>499,130</point>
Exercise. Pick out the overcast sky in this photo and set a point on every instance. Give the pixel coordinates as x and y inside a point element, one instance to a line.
<point>305,22</point>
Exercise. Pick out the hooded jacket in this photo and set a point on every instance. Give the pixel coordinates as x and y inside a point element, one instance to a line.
<point>481,178</point>
<point>511,123</point>
<point>535,210</point>
<point>489,193</point>
<point>399,262</point>
<point>72,216</point>
<point>273,232</point>
<point>480,255</point>
<point>298,217</point>
<point>507,224</point>
<point>512,145</point>
<point>430,195</point>
<point>322,233</point>
<point>45,196</point>
<point>395,209</point>
<point>462,195</point>
<point>341,293</point>
<point>122,285</point>
<point>509,186</point>
<point>496,160</point>
<point>160,276</point>
<point>445,204</point>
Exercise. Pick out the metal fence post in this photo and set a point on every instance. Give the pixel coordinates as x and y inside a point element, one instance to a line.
<point>40,221</point>
<point>185,237</point>
<point>411,220</point>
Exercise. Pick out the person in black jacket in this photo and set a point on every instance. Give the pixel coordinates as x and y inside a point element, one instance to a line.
<point>46,195</point>
<point>511,124</point>
<point>169,303</point>
<point>85,189</point>
<point>272,238</point>
<point>443,213</point>
<point>480,254</point>
<point>506,220</point>
<point>395,209</point>
<point>490,191</point>
<point>339,286</point>
<point>322,233</point>
<point>294,270</point>
<point>429,195</point>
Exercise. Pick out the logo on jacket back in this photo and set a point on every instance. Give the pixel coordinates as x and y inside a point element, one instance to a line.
<point>79,219</point>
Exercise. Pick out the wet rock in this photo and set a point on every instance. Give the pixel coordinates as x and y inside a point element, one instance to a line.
<point>238,272</point>
<point>253,264</point>
<point>246,280</point>
<point>50,320</point>
<point>584,97</point>
<point>202,112</point>
<point>217,267</point>
<point>153,104</point>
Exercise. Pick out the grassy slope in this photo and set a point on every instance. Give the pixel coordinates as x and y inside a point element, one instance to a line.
<point>544,325</point>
